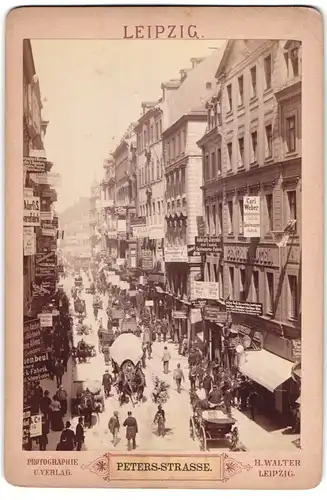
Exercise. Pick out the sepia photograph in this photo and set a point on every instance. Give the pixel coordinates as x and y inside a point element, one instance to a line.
<point>162,245</point>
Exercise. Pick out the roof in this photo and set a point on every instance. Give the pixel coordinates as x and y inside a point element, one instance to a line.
<point>193,92</point>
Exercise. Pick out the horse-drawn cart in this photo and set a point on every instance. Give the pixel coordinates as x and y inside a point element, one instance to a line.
<point>87,398</point>
<point>83,352</point>
<point>126,355</point>
<point>210,425</point>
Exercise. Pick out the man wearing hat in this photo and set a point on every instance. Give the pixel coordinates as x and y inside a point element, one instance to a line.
<point>131,430</point>
<point>114,427</point>
<point>107,382</point>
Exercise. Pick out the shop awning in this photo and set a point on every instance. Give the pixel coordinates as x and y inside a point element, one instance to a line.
<point>265,368</point>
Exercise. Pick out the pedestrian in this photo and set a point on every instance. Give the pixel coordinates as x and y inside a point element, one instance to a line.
<point>199,375</point>
<point>164,329</point>
<point>252,400</point>
<point>59,372</point>
<point>160,420</point>
<point>79,434</point>
<point>45,407</point>
<point>207,383</point>
<point>114,427</point>
<point>43,439</point>
<point>67,439</point>
<point>107,383</point>
<point>215,396</point>
<point>192,377</point>
<point>166,358</point>
<point>131,430</point>
<point>144,349</point>
<point>179,377</point>
<point>227,395</point>
<point>57,423</point>
<point>62,398</point>
<point>37,395</point>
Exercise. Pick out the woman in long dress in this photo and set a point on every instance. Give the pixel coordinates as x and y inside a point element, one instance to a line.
<point>57,423</point>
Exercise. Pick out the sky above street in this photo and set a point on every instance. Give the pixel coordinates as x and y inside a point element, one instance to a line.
<point>92,90</point>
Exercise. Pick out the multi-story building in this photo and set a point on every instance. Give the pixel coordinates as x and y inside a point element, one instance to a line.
<point>108,209</point>
<point>35,181</point>
<point>151,191</point>
<point>185,125</point>
<point>252,161</point>
<point>124,158</point>
<point>94,218</point>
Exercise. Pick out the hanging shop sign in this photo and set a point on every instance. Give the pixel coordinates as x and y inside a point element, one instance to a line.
<point>32,340</point>
<point>29,241</point>
<point>45,320</point>
<point>35,425</point>
<point>149,303</point>
<point>251,211</point>
<point>214,314</point>
<point>250,308</point>
<point>156,232</point>
<point>204,290</point>
<point>40,178</point>
<point>207,244</point>
<point>31,214</point>
<point>263,256</point>
<point>121,226</point>
<point>200,225</point>
<point>296,349</point>
<point>140,231</point>
<point>26,427</point>
<point>176,254</point>
<point>34,165</point>
<point>196,316</point>
<point>36,367</point>
<point>46,216</point>
<point>117,313</point>
<point>45,264</point>
<point>43,288</point>
<point>147,260</point>
<point>179,315</point>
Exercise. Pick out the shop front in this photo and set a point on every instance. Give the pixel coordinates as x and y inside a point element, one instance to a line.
<point>214,320</point>
<point>180,318</point>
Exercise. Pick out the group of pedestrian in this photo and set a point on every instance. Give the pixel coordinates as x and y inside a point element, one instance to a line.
<point>131,429</point>
<point>70,440</point>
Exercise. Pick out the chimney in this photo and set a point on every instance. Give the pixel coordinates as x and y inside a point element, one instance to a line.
<point>169,87</point>
<point>196,60</point>
<point>184,72</point>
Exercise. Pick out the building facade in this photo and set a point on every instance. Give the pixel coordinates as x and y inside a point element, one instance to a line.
<point>36,181</point>
<point>252,154</point>
<point>108,210</point>
<point>185,125</point>
<point>95,218</point>
<point>124,158</point>
<point>150,192</point>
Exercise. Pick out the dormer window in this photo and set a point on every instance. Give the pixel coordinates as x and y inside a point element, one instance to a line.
<point>292,58</point>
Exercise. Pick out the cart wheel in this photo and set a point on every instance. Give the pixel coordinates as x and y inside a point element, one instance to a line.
<point>192,429</point>
<point>203,439</point>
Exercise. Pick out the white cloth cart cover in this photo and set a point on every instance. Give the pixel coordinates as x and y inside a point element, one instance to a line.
<point>126,346</point>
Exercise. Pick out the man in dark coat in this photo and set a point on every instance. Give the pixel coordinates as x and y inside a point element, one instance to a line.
<point>45,407</point>
<point>79,434</point>
<point>131,430</point>
<point>59,372</point>
<point>36,398</point>
<point>67,439</point>
<point>107,382</point>
<point>207,383</point>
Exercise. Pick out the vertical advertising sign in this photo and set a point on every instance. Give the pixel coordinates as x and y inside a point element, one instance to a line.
<point>251,208</point>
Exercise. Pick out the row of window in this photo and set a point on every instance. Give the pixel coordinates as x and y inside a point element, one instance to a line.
<point>214,214</point>
<point>150,135</point>
<point>151,172</point>
<point>291,56</point>
<point>213,161</point>
<point>251,293</point>
<point>154,210</point>
<point>175,146</point>
<point>179,204</point>
<point>175,183</point>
